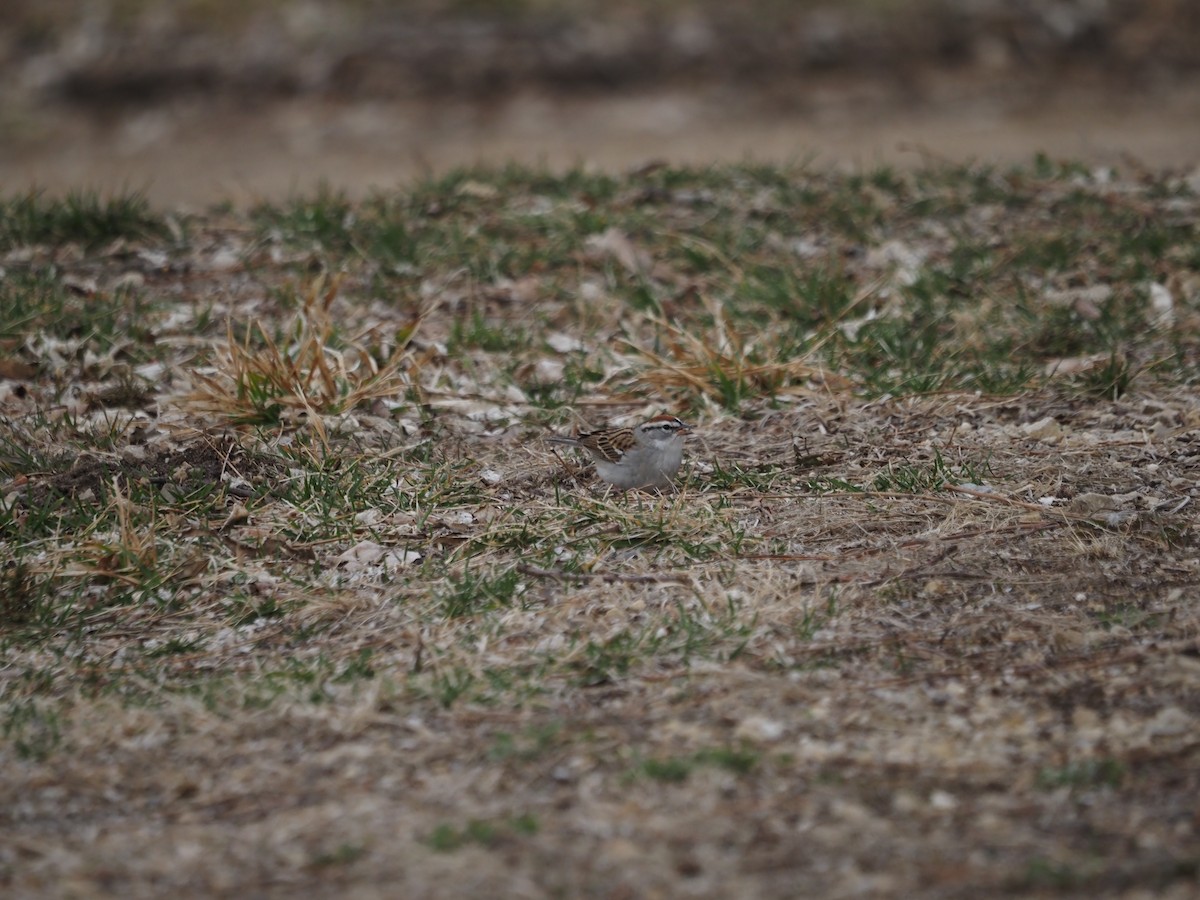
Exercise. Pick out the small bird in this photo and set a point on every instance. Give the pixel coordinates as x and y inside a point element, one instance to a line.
<point>644,456</point>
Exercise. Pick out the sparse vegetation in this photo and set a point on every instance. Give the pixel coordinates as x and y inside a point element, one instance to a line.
<point>287,550</point>
<point>84,218</point>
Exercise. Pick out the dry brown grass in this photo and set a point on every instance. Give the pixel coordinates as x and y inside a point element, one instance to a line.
<point>945,674</point>
<point>315,373</point>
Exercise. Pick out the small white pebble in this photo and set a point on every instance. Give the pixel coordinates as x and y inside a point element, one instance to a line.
<point>942,800</point>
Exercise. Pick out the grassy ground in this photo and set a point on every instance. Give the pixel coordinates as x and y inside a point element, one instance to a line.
<point>295,600</point>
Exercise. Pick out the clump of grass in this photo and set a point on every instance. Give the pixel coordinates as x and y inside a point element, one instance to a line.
<point>20,597</point>
<point>912,478</point>
<point>1111,379</point>
<point>1088,773</point>
<point>488,833</point>
<point>312,374</point>
<point>675,769</point>
<point>83,217</point>
<point>131,555</point>
<point>323,223</point>
<point>723,364</point>
<point>34,730</point>
<point>471,593</point>
<point>35,304</point>
<point>342,855</point>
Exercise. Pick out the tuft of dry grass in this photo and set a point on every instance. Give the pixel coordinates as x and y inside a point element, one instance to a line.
<point>722,364</point>
<point>313,371</point>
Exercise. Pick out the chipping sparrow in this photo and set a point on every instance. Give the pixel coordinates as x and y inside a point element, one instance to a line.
<point>645,456</point>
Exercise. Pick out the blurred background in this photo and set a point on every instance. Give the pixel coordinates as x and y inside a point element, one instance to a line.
<point>201,101</point>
